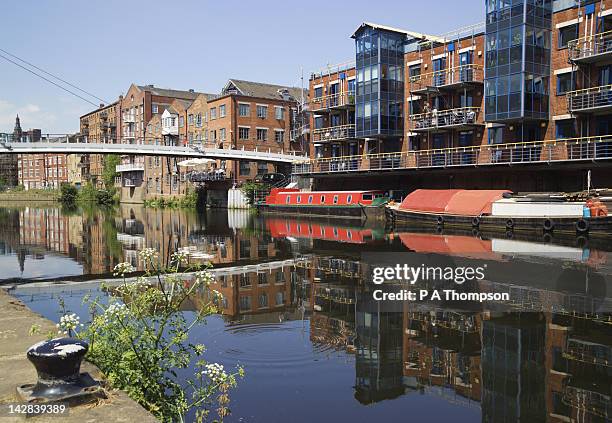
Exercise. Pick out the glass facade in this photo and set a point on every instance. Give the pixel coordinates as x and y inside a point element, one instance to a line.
<point>380,83</point>
<point>518,42</point>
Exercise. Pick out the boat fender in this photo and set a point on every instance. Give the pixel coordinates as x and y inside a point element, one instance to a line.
<point>548,225</point>
<point>475,232</point>
<point>582,226</point>
<point>439,230</point>
<point>510,224</point>
<point>547,238</point>
<point>476,221</point>
<point>440,220</point>
<point>509,234</point>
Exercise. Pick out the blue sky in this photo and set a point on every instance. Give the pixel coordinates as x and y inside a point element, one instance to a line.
<point>104,46</point>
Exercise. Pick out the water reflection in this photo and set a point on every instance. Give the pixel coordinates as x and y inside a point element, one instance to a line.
<point>298,312</point>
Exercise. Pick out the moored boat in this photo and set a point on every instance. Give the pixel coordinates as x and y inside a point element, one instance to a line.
<point>500,210</point>
<point>347,204</point>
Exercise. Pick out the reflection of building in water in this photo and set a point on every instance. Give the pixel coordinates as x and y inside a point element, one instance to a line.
<point>579,363</point>
<point>513,368</point>
<point>442,349</point>
<point>46,228</point>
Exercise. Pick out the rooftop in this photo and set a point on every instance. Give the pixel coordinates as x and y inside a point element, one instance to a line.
<point>262,90</point>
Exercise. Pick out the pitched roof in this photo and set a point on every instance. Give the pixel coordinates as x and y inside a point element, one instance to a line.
<point>262,90</point>
<point>167,92</point>
<point>409,34</point>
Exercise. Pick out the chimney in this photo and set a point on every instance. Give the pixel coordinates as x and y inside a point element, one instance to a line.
<point>151,86</point>
<point>191,90</point>
<point>101,105</point>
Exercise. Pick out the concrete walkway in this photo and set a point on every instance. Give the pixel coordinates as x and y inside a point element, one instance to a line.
<point>15,369</point>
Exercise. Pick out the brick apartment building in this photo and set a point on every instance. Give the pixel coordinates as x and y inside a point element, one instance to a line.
<point>530,85</point>
<point>98,126</point>
<point>245,115</point>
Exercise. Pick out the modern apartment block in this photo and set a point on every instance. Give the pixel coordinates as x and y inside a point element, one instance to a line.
<point>98,126</point>
<point>524,97</point>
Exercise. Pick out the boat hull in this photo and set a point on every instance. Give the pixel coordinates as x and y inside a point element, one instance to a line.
<point>352,212</point>
<point>577,226</point>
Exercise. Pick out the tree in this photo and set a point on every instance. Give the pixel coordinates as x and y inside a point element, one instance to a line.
<point>109,172</point>
<point>69,194</point>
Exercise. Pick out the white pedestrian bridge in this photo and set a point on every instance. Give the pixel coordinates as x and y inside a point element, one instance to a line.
<point>68,145</point>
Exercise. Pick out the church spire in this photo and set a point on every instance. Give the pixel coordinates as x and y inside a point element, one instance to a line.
<point>17,132</point>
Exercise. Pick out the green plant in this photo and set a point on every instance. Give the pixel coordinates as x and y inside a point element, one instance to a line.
<point>250,189</point>
<point>68,194</point>
<point>140,341</point>
<point>109,171</point>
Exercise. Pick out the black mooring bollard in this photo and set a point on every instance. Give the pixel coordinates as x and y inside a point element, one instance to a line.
<point>58,365</point>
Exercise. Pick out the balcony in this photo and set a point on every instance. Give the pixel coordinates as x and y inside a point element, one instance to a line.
<point>459,77</point>
<point>590,100</point>
<point>334,133</point>
<point>129,182</point>
<point>129,118</point>
<point>333,102</point>
<point>591,149</point>
<point>215,175</point>
<point>461,118</point>
<point>591,49</point>
<point>130,167</point>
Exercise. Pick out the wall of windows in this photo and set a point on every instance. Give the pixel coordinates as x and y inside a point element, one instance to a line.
<point>518,41</point>
<point>380,82</point>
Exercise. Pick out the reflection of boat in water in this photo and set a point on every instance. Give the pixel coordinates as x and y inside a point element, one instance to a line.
<point>323,230</point>
<point>499,210</point>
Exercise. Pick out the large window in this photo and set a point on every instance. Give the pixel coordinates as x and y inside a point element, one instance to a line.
<point>222,111</point>
<point>565,82</point>
<point>245,168</point>
<point>213,113</point>
<point>262,134</point>
<point>262,111</point>
<point>565,129</point>
<point>279,113</point>
<point>567,34</point>
<point>244,109</point>
<point>243,133</point>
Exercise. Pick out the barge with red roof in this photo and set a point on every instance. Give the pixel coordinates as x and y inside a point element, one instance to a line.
<point>577,214</point>
<point>346,204</point>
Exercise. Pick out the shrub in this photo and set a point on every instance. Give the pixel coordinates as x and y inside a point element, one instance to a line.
<point>68,194</point>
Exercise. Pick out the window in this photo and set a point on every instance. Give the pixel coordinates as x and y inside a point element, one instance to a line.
<point>263,300</point>
<point>199,120</point>
<point>565,129</point>
<point>213,113</point>
<point>222,134</point>
<point>279,136</point>
<point>245,168</point>
<point>190,120</point>
<point>288,199</point>
<point>155,108</point>
<point>262,134</point>
<point>181,121</point>
<point>335,199</point>
<point>567,34</point>
<point>318,92</point>
<point>213,135</point>
<point>299,199</point>
<point>349,198</point>
<point>310,199</point>
<point>322,199</point>
<point>222,111</point>
<point>279,113</point>
<point>262,279</point>
<point>414,72</point>
<point>565,82</point>
<point>245,302</point>
<point>243,133</point>
<point>262,111</point>
<point>262,168</point>
<point>244,109</point>
<point>367,197</point>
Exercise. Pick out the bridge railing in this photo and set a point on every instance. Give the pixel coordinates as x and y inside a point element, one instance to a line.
<point>575,149</point>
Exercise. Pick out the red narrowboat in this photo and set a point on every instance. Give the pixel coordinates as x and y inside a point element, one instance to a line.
<point>285,228</point>
<point>349,204</point>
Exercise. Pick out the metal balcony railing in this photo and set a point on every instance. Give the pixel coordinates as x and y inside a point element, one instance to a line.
<point>590,99</point>
<point>591,48</point>
<point>590,401</point>
<point>333,101</point>
<point>129,182</point>
<point>334,133</point>
<point>451,118</point>
<point>208,176</point>
<point>449,78</point>
<point>547,151</point>
<point>130,167</point>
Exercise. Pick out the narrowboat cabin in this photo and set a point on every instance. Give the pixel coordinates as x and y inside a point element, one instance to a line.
<point>501,210</point>
<point>348,204</point>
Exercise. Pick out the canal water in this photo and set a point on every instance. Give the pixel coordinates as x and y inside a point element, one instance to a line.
<point>298,312</point>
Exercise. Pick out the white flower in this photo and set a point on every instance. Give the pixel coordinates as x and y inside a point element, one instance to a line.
<point>204,277</point>
<point>115,311</point>
<point>147,254</point>
<point>180,256</point>
<point>67,323</point>
<point>217,295</point>
<point>215,372</point>
<point>122,268</point>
